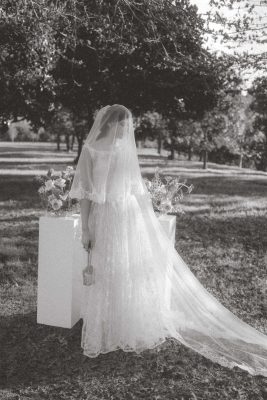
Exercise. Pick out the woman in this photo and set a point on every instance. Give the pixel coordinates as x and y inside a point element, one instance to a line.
<point>128,306</point>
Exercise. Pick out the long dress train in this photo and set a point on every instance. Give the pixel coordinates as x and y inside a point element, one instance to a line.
<point>137,268</point>
<point>129,306</point>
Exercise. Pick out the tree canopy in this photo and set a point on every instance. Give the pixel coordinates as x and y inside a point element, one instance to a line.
<point>146,55</point>
<point>84,54</point>
<point>239,27</point>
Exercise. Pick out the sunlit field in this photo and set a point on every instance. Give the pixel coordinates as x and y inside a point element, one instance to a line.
<point>223,238</point>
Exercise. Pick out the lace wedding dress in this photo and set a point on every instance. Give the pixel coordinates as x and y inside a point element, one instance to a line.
<point>128,307</point>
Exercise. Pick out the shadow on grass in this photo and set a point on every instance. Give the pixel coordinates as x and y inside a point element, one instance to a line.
<point>17,219</point>
<point>19,188</point>
<point>36,354</point>
<point>245,233</point>
<point>233,186</point>
<point>49,361</point>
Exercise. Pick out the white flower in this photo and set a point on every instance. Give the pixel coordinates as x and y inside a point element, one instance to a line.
<point>69,168</point>
<point>50,172</point>
<point>41,189</point>
<point>56,204</point>
<point>167,206</point>
<point>49,185</point>
<point>161,190</point>
<point>60,182</point>
<point>56,190</point>
<point>148,183</point>
<point>51,198</point>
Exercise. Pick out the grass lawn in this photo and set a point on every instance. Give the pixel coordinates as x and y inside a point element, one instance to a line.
<point>223,238</point>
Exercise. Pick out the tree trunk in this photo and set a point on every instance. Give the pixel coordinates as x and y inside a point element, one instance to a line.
<point>4,127</point>
<point>172,150</point>
<point>80,145</point>
<point>240,160</point>
<point>72,141</point>
<point>81,131</point>
<point>204,151</point>
<point>67,140</point>
<point>159,143</point>
<point>205,159</point>
<point>58,141</point>
<point>189,154</point>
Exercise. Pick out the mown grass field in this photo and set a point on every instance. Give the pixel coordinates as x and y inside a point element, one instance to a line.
<point>223,238</point>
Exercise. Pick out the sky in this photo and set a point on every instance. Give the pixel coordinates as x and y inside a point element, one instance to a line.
<point>260,13</point>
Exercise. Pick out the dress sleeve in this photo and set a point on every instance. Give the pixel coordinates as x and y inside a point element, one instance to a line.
<point>82,186</point>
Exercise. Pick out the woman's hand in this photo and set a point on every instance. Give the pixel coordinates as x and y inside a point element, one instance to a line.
<point>86,242</point>
<point>85,210</point>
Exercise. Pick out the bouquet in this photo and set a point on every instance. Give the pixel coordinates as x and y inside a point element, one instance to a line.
<point>54,190</point>
<point>167,192</point>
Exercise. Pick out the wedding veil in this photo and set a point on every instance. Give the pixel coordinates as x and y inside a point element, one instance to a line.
<point>108,171</point>
<point>108,168</point>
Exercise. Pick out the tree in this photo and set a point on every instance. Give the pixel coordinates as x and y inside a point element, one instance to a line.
<point>152,126</point>
<point>62,124</point>
<point>28,52</point>
<point>189,137</point>
<point>146,55</point>
<point>156,59</point>
<point>226,128</point>
<point>239,124</point>
<point>211,127</point>
<point>259,105</point>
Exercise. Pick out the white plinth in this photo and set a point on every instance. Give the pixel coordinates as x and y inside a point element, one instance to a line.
<point>168,222</point>
<point>61,259</point>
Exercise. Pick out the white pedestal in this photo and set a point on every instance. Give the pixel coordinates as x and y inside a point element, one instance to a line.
<point>61,259</point>
<point>168,222</point>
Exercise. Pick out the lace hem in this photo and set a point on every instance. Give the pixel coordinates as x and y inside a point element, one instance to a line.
<point>127,349</point>
<point>205,353</point>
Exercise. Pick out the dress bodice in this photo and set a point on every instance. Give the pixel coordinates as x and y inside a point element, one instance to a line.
<point>109,171</point>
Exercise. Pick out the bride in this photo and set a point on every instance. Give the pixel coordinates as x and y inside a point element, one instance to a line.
<point>128,306</point>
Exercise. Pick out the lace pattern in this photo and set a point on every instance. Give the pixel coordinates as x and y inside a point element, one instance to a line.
<point>143,291</point>
<point>127,307</point>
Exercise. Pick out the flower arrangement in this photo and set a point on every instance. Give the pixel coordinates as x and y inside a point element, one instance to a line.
<point>166,193</point>
<point>54,190</point>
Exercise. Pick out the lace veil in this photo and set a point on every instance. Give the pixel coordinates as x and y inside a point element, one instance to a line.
<point>108,168</point>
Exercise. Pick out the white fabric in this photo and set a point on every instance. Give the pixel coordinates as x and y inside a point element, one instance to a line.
<point>126,307</point>
<point>108,168</point>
